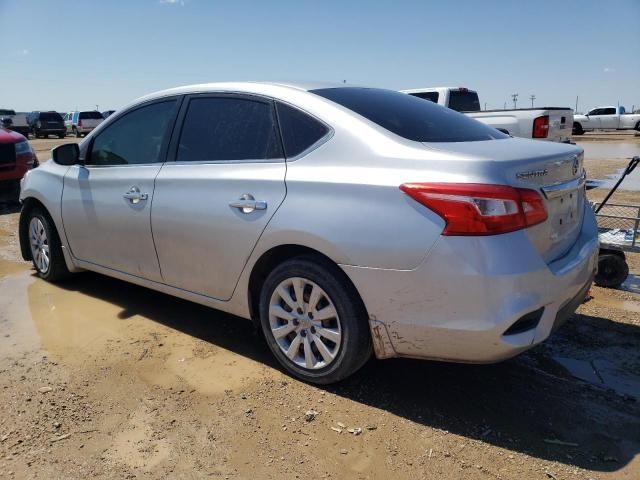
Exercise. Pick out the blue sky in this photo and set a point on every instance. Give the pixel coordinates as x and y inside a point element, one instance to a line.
<point>67,54</point>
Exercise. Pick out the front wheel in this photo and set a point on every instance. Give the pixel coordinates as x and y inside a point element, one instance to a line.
<point>314,321</point>
<point>46,250</point>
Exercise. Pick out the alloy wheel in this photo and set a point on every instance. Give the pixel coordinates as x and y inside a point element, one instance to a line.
<point>39,245</point>
<point>305,323</point>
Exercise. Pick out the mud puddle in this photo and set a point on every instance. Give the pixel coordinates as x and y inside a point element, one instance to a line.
<point>609,150</point>
<point>98,320</point>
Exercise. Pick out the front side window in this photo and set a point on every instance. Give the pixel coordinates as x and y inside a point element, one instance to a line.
<point>299,130</point>
<point>135,138</point>
<point>410,117</point>
<point>227,129</point>
<point>595,111</point>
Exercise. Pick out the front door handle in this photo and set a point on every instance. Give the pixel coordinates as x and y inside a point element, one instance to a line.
<point>248,204</point>
<point>134,195</point>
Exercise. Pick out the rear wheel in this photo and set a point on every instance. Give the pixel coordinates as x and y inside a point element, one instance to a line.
<point>638,126</point>
<point>612,270</point>
<point>46,250</point>
<point>313,321</point>
<point>61,135</point>
<point>76,132</point>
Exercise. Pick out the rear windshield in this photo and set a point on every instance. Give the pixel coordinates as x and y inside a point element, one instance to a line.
<point>51,117</point>
<point>91,116</point>
<point>464,101</point>
<point>410,117</point>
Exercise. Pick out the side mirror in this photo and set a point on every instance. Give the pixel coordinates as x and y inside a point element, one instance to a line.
<point>6,122</point>
<point>67,154</point>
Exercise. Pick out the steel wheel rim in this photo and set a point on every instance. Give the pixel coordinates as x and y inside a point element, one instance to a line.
<point>39,245</point>
<point>304,323</point>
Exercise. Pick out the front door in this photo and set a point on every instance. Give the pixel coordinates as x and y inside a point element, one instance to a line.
<point>106,204</point>
<point>609,119</point>
<point>213,202</point>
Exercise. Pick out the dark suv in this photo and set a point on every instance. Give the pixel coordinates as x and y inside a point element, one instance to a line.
<point>44,124</point>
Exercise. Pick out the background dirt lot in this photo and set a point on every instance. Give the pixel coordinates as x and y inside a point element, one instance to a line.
<point>102,379</point>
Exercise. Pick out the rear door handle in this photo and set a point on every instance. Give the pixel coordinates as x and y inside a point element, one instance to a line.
<point>134,195</point>
<point>248,204</point>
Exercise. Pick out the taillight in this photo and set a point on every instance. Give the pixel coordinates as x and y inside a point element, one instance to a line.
<point>541,127</point>
<point>479,209</point>
<point>79,123</point>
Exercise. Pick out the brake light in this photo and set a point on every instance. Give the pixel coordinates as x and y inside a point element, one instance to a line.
<point>541,127</point>
<point>479,209</point>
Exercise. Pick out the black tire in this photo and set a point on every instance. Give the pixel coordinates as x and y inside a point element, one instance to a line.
<point>612,270</point>
<point>76,132</point>
<point>57,268</point>
<point>577,129</point>
<point>61,135</point>
<point>638,126</point>
<point>355,342</point>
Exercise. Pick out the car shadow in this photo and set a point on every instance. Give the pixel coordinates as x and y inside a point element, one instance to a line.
<point>530,404</point>
<point>631,284</point>
<point>8,206</point>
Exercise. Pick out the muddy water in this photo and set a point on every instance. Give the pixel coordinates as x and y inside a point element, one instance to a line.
<point>609,150</point>
<point>98,320</point>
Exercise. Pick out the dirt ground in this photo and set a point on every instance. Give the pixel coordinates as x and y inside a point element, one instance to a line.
<point>103,379</point>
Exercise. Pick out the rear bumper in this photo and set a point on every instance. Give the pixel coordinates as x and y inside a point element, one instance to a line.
<point>53,131</point>
<point>458,304</point>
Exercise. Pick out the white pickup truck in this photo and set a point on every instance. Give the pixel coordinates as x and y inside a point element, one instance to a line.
<point>547,123</point>
<point>18,121</point>
<point>606,118</point>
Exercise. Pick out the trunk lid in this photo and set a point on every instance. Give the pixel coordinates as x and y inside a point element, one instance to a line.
<point>554,170</point>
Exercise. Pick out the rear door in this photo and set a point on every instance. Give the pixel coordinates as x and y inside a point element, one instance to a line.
<point>106,205</point>
<point>609,118</point>
<point>213,202</point>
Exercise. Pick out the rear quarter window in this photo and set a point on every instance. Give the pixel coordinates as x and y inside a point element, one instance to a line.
<point>300,131</point>
<point>410,117</point>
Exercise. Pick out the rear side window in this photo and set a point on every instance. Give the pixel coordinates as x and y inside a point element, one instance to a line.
<point>50,117</point>
<point>410,117</point>
<point>135,138</point>
<point>608,111</point>
<point>433,96</point>
<point>464,101</point>
<point>90,116</point>
<point>228,128</point>
<point>299,130</point>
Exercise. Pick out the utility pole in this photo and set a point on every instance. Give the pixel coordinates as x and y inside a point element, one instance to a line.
<point>504,107</point>
<point>576,110</point>
<point>532,97</point>
<point>485,105</point>
<point>514,97</point>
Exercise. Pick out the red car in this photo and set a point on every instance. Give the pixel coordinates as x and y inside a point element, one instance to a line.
<point>16,158</point>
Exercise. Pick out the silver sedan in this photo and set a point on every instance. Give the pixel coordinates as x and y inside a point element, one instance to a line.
<point>343,220</point>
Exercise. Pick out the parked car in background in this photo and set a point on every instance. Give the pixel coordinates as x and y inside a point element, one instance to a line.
<point>81,123</point>
<point>106,113</point>
<point>19,121</point>
<point>340,219</point>
<point>545,123</point>
<point>43,124</point>
<point>606,118</point>
<point>16,158</point>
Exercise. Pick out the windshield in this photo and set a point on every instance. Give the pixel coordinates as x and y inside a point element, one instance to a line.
<point>464,101</point>
<point>410,117</point>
